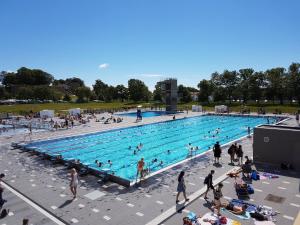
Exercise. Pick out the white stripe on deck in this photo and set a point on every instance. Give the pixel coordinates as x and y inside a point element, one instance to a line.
<point>171,211</point>
<point>296,205</point>
<point>282,188</point>
<point>288,217</point>
<point>32,204</point>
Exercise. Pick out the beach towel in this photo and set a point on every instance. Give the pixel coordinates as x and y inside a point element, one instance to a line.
<point>264,223</point>
<point>245,216</point>
<point>211,216</point>
<point>265,176</point>
<point>238,202</point>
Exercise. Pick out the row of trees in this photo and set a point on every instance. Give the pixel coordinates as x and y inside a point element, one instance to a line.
<point>246,84</point>
<point>37,84</point>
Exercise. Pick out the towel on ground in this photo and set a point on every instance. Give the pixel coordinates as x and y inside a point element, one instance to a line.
<point>211,216</point>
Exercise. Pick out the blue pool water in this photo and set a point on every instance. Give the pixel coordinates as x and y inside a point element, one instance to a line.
<point>145,114</point>
<point>157,139</point>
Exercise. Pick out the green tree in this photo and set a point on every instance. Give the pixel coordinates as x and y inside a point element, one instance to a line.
<point>100,89</point>
<point>205,90</point>
<point>294,81</point>
<point>229,81</point>
<point>256,86</point>
<point>67,98</point>
<point>243,86</point>
<point>157,93</point>
<point>72,84</point>
<point>184,94</point>
<point>25,76</point>
<point>83,94</point>
<point>138,91</point>
<point>25,93</point>
<point>122,92</point>
<point>276,81</point>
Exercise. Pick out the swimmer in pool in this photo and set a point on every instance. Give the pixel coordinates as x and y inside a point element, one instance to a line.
<point>169,152</point>
<point>154,160</point>
<point>109,162</point>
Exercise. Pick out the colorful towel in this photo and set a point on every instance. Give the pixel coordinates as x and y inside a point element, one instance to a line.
<point>265,176</point>
<point>238,202</point>
<point>211,216</point>
<point>264,223</point>
<point>245,216</point>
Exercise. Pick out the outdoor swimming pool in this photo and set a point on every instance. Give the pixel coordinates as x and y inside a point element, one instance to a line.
<point>146,114</point>
<point>156,138</point>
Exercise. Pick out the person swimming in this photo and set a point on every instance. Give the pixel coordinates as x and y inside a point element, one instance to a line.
<point>139,147</point>
<point>109,162</point>
<point>154,160</point>
<point>99,164</point>
<point>134,152</point>
<point>169,151</point>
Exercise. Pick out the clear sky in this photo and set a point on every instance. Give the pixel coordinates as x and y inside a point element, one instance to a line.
<point>148,40</point>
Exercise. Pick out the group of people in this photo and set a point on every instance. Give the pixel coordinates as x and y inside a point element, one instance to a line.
<point>236,153</point>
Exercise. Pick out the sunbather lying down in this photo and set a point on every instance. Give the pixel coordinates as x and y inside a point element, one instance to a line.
<point>238,210</point>
<point>235,173</point>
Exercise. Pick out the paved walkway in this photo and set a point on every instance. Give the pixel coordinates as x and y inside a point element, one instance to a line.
<point>286,186</point>
<point>100,203</point>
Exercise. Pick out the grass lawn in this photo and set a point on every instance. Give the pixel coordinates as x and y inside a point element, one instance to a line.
<point>24,108</point>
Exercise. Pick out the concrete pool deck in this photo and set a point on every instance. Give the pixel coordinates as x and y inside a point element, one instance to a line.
<point>104,203</point>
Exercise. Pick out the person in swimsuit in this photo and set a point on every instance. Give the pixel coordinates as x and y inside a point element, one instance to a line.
<point>238,210</point>
<point>217,198</point>
<point>140,168</point>
<point>74,182</point>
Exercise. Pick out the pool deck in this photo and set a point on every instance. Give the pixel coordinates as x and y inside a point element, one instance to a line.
<point>109,203</point>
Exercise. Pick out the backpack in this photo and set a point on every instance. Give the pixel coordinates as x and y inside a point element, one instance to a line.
<point>4,213</point>
<point>206,180</point>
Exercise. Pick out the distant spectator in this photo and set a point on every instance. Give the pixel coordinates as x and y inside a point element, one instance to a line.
<point>240,154</point>
<point>217,152</point>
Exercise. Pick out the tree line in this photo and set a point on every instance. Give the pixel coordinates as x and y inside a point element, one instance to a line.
<point>276,84</point>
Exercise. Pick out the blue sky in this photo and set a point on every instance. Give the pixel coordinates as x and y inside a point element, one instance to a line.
<point>147,40</point>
